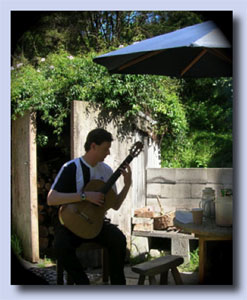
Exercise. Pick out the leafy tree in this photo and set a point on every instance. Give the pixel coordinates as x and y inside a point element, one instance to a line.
<point>53,66</point>
<point>60,78</point>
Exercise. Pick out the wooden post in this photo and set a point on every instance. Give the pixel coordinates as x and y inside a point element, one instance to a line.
<point>24,185</point>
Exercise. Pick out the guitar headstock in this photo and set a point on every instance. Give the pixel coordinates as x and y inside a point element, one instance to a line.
<point>136,149</point>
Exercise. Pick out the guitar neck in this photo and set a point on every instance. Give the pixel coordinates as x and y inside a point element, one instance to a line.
<point>107,186</point>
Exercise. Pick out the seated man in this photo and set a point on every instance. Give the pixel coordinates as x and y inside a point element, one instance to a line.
<point>68,187</point>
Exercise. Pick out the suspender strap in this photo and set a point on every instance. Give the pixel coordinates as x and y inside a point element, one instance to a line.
<point>86,173</point>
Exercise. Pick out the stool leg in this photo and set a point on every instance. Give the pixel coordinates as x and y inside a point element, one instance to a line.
<point>164,278</point>
<point>141,280</point>
<point>105,265</point>
<point>152,280</point>
<point>176,276</point>
<point>59,273</point>
<point>70,280</point>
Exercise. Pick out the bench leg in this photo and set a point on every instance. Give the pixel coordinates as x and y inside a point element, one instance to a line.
<point>152,280</point>
<point>164,278</point>
<point>141,280</point>
<point>176,276</point>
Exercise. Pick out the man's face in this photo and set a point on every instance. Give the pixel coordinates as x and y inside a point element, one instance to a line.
<point>102,150</point>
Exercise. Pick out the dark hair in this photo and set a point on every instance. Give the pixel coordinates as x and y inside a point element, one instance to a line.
<point>97,136</point>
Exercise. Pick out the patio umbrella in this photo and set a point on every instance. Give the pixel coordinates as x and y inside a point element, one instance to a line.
<point>200,50</point>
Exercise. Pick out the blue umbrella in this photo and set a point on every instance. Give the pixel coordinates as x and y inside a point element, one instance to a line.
<point>200,50</point>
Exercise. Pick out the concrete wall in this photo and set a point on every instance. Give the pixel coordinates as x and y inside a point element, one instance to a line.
<point>182,188</point>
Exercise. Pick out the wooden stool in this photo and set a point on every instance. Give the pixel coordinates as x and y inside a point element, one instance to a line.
<point>86,247</point>
<point>160,266</point>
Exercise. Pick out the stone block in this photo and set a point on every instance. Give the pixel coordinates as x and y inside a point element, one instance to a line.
<point>174,203</point>
<point>161,175</point>
<point>139,245</point>
<point>196,190</point>
<point>181,246</point>
<point>192,175</point>
<point>162,190</point>
<point>182,190</point>
<point>220,176</point>
<point>142,224</point>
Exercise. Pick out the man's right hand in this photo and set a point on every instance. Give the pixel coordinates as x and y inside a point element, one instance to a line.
<point>95,198</point>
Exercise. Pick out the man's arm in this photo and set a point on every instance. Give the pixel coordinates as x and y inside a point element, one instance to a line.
<point>127,183</point>
<point>58,198</point>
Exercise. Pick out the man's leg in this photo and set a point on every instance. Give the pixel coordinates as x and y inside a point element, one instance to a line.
<point>115,241</point>
<point>65,248</point>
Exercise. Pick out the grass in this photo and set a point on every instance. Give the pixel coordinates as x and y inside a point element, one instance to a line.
<point>191,266</point>
<point>16,245</point>
<point>45,262</point>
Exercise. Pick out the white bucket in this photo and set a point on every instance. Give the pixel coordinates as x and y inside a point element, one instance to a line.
<point>223,211</point>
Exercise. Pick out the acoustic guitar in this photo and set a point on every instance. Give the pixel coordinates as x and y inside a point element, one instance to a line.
<point>85,219</point>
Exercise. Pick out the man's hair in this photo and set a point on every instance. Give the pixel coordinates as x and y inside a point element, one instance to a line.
<point>97,136</point>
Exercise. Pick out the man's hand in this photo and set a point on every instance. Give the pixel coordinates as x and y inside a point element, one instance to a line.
<point>95,198</point>
<point>127,175</point>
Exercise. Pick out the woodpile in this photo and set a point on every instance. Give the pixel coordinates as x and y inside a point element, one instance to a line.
<point>47,214</point>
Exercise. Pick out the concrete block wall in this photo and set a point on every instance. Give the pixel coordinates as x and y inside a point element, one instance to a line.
<point>182,188</point>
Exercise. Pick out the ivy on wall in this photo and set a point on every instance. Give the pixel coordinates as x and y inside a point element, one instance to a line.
<point>49,86</point>
<point>193,128</point>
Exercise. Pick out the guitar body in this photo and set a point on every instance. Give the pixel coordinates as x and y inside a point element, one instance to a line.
<point>86,219</point>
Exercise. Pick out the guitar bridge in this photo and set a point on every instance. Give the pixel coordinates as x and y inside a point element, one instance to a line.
<point>81,214</point>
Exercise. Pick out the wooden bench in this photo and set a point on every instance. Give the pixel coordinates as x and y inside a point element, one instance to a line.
<point>86,247</point>
<point>160,266</point>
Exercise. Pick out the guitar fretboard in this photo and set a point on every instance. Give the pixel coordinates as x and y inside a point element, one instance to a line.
<point>115,175</point>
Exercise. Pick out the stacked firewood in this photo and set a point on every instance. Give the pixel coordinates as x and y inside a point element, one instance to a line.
<point>47,214</point>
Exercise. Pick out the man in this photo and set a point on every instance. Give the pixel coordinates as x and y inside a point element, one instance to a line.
<point>68,188</point>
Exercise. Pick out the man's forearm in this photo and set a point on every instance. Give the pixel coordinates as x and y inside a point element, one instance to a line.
<point>121,196</point>
<point>57,198</point>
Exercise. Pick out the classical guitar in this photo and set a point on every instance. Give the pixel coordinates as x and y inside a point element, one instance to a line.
<point>86,219</point>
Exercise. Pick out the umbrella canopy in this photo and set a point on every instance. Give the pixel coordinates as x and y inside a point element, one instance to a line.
<point>200,50</point>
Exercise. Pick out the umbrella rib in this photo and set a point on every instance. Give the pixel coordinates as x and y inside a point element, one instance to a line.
<point>194,61</point>
<point>220,55</point>
<point>139,59</point>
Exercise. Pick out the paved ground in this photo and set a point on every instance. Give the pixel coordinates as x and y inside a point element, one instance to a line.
<point>49,274</point>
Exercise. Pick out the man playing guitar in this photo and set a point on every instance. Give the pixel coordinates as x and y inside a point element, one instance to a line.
<point>68,191</point>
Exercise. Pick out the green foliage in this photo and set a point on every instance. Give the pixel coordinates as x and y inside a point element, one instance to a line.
<point>208,103</point>
<point>86,31</point>
<point>16,244</point>
<point>46,263</point>
<point>193,116</point>
<point>193,264</point>
<point>201,149</point>
<point>208,107</point>
<point>49,87</point>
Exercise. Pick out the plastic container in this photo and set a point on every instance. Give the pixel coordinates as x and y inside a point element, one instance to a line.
<point>223,211</point>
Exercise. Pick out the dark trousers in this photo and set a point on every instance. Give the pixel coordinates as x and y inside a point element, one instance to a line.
<point>110,237</point>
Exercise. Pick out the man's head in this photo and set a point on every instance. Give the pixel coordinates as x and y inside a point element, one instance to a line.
<point>97,136</point>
